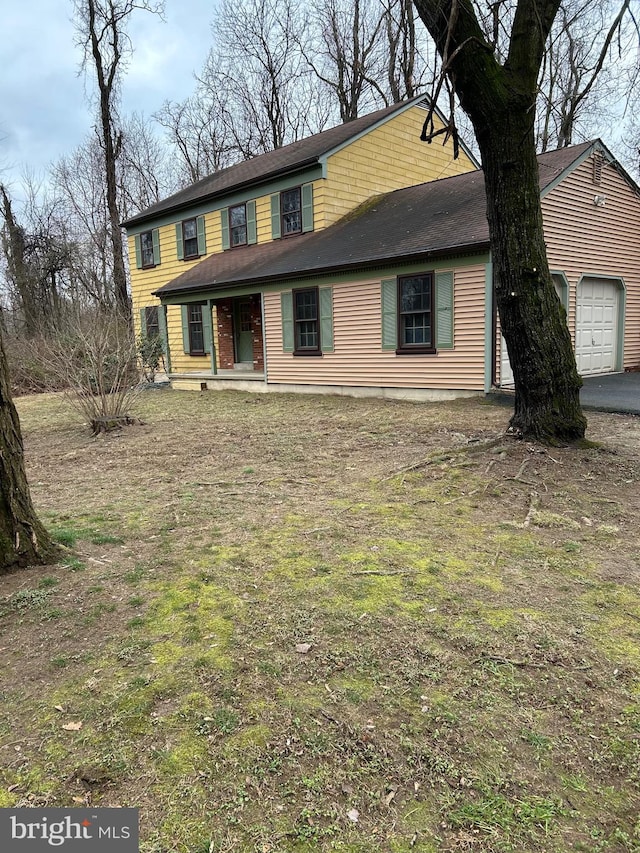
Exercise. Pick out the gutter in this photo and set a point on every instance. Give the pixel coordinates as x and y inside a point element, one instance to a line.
<point>378,263</point>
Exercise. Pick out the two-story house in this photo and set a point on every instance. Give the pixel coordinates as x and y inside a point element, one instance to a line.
<point>357,261</point>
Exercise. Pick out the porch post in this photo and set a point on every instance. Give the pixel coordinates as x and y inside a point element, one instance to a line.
<point>214,360</point>
<point>164,331</point>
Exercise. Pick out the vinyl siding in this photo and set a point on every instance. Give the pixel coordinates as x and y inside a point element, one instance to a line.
<point>583,239</point>
<point>358,358</point>
<point>387,158</point>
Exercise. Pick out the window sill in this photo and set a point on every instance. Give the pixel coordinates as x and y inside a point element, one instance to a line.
<point>416,351</point>
<point>307,353</point>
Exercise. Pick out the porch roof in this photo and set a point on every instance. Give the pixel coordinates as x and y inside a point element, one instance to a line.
<point>429,220</point>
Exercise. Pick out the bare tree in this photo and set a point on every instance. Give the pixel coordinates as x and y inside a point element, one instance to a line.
<point>101,28</point>
<point>145,174</point>
<point>406,53</point>
<point>346,53</point>
<point>37,259</point>
<point>583,68</point>
<point>198,136</point>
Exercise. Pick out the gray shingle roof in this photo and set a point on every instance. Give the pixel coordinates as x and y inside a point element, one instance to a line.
<point>442,217</point>
<point>289,158</point>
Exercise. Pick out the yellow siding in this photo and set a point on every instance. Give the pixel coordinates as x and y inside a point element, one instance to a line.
<point>359,359</point>
<point>387,158</point>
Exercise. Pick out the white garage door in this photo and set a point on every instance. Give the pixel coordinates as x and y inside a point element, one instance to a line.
<point>596,327</point>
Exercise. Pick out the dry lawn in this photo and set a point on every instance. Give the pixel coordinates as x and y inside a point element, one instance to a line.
<point>289,623</point>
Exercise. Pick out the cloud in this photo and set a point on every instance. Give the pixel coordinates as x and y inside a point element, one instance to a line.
<point>44,112</point>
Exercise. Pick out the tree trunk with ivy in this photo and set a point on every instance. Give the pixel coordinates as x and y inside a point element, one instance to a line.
<point>23,539</point>
<point>500,101</point>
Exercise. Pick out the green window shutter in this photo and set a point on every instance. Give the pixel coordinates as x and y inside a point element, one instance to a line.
<point>275,216</point>
<point>179,244</point>
<point>224,224</point>
<point>136,240</point>
<point>155,234</point>
<point>207,328</point>
<point>444,310</point>
<point>286,305</point>
<point>185,328</point>
<point>202,239</point>
<point>307,207</point>
<point>143,321</point>
<point>326,318</point>
<point>252,229</point>
<point>162,325</point>
<point>389,300</point>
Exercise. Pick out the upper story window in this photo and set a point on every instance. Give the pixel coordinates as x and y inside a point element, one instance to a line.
<point>146,248</point>
<point>191,238</point>
<point>238,225</point>
<point>291,211</point>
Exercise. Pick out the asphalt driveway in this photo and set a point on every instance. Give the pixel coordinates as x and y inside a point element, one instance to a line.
<point>613,392</point>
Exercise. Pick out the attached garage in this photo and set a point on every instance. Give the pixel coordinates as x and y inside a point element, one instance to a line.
<point>599,303</point>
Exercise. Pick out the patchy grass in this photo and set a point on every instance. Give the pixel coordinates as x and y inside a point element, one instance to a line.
<point>303,623</point>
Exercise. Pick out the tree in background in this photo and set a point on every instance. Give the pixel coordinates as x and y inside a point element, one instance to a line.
<point>585,70</point>
<point>101,28</point>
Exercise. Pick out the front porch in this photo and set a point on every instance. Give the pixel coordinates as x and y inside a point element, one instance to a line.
<point>215,340</point>
<point>221,380</point>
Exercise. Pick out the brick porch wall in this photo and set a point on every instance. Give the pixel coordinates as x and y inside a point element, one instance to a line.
<point>256,327</point>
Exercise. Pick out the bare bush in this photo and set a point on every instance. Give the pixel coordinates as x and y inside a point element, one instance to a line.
<point>94,358</point>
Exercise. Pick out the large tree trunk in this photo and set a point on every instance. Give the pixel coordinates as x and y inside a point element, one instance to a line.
<point>534,323</point>
<point>500,101</point>
<point>23,539</point>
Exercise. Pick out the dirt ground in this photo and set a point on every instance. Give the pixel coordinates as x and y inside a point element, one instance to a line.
<point>292,623</point>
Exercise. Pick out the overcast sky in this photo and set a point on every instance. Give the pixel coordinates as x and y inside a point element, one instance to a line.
<point>44,111</point>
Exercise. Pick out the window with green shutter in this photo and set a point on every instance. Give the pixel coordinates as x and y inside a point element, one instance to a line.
<point>326,318</point>
<point>444,310</point>
<point>307,320</point>
<point>147,247</point>
<point>191,238</point>
<point>417,313</point>
<point>292,211</point>
<point>197,332</point>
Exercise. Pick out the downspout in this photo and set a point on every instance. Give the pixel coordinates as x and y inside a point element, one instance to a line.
<point>489,329</point>
<point>264,338</point>
<point>165,331</point>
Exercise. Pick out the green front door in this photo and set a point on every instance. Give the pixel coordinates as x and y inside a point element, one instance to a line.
<point>242,330</point>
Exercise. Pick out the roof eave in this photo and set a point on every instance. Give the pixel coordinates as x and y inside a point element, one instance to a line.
<point>242,185</point>
<point>373,263</point>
